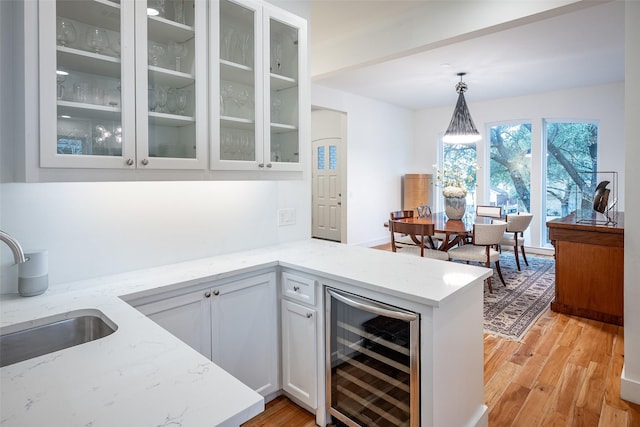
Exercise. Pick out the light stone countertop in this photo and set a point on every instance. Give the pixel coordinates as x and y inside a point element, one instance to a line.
<point>143,376</point>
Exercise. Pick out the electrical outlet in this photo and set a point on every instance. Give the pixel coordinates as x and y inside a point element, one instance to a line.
<point>286,216</point>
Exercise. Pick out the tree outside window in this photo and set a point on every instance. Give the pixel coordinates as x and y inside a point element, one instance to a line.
<point>510,167</point>
<point>462,160</point>
<point>572,158</point>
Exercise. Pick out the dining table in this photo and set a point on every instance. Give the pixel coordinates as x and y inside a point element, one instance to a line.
<point>455,231</point>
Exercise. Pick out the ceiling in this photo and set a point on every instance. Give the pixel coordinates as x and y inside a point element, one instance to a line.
<point>581,48</point>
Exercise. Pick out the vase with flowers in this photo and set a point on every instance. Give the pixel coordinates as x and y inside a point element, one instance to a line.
<point>454,181</point>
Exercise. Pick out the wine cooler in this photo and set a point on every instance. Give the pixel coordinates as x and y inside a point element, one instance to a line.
<point>372,362</point>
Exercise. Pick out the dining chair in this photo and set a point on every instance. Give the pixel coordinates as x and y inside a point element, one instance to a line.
<point>420,231</point>
<point>402,240</point>
<point>489,211</point>
<point>514,236</point>
<point>484,239</point>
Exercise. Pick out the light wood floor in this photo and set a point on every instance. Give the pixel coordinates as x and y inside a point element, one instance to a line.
<point>566,372</point>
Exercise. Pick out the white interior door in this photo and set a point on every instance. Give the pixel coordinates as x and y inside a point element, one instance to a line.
<point>327,195</point>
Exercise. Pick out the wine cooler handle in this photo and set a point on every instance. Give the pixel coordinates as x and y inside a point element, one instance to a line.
<point>372,307</point>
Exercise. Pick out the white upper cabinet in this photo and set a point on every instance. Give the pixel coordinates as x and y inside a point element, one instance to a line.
<point>123,84</point>
<point>261,83</point>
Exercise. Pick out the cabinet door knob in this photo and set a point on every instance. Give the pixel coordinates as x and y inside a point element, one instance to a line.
<point>260,165</point>
<point>269,165</point>
<point>216,292</point>
<point>207,294</point>
<point>309,315</point>
<point>296,288</point>
<point>129,162</point>
<point>145,162</point>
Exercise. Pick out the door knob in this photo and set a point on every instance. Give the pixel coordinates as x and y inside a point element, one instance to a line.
<point>145,162</point>
<point>129,162</point>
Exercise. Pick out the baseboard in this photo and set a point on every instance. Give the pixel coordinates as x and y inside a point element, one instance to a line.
<point>629,389</point>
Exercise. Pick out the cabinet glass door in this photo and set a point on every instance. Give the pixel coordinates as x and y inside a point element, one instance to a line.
<point>170,99</point>
<point>85,55</point>
<point>283,93</point>
<point>239,58</point>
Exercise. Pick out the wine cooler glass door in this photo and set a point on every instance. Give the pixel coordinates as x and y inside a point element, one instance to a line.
<point>372,362</point>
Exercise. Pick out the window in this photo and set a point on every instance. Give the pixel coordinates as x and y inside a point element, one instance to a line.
<point>572,156</point>
<point>510,167</point>
<point>456,156</point>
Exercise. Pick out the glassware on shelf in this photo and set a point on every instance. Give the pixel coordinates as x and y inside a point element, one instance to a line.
<point>227,43</point>
<point>181,100</point>
<point>227,94</point>
<point>172,103</point>
<point>152,99</point>
<point>65,32</point>
<point>115,44</point>
<point>96,39</point>
<point>161,99</point>
<point>61,76</point>
<point>156,51</point>
<point>276,105</point>
<point>245,48</point>
<point>178,51</point>
<point>81,92</point>
<point>277,56</point>
<point>178,11</point>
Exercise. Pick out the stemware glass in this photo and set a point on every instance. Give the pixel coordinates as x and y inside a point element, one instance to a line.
<point>96,39</point>
<point>65,32</point>
<point>227,43</point>
<point>177,50</point>
<point>172,103</point>
<point>115,44</point>
<point>276,105</point>
<point>61,76</point>
<point>245,47</point>
<point>162,98</point>
<point>153,102</point>
<point>240,99</point>
<point>181,99</point>
<point>156,51</point>
<point>178,8</point>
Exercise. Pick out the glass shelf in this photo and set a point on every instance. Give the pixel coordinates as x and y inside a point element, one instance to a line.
<point>167,119</point>
<point>99,13</point>
<point>88,62</point>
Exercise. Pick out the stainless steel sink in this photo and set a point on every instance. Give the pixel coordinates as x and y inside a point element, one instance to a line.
<point>53,334</point>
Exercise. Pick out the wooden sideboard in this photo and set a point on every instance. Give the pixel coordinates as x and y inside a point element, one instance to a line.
<point>589,268</point>
<point>417,191</point>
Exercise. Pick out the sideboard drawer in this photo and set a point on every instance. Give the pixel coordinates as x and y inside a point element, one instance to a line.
<point>299,288</point>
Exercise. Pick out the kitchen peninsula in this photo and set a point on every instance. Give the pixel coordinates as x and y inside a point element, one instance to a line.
<point>142,375</point>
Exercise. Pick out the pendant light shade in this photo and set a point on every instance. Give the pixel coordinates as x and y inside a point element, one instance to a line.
<point>461,130</point>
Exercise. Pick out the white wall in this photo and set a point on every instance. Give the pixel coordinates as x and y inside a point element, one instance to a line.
<point>630,385</point>
<point>379,145</point>
<point>94,229</point>
<point>605,104</point>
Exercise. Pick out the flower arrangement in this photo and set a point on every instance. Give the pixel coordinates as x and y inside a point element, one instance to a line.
<point>453,179</point>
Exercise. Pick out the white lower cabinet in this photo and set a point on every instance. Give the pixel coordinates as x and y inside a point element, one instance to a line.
<point>187,316</point>
<point>244,327</point>
<point>233,323</point>
<point>299,352</point>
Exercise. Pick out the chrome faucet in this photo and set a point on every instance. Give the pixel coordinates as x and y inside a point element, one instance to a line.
<point>18,253</point>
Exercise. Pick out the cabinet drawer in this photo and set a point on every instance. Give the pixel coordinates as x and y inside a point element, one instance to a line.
<point>299,288</point>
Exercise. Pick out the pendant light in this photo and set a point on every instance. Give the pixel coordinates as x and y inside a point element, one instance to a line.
<point>461,130</point>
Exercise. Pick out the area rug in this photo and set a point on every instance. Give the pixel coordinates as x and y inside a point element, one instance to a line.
<point>510,311</point>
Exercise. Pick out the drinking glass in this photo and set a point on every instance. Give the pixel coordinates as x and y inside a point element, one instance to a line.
<point>276,104</point>
<point>65,32</point>
<point>161,98</point>
<point>156,51</point>
<point>227,43</point>
<point>177,50</point>
<point>96,39</point>
<point>181,99</point>
<point>61,76</point>
<point>178,9</point>
<point>81,92</point>
<point>172,104</point>
<point>115,44</point>
<point>245,47</point>
<point>153,103</point>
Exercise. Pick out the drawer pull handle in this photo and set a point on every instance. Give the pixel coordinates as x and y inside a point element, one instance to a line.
<point>296,288</point>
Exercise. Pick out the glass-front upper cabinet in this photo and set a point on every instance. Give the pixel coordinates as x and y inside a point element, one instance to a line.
<point>285,48</point>
<point>92,74</point>
<point>256,123</point>
<point>172,101</point>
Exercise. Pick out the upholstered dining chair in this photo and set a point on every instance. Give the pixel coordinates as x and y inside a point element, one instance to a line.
<point>484,239</point>
<point>403,239</point>
<point>489,211</point>
<point>420,231</point>
<point>514,236</point>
